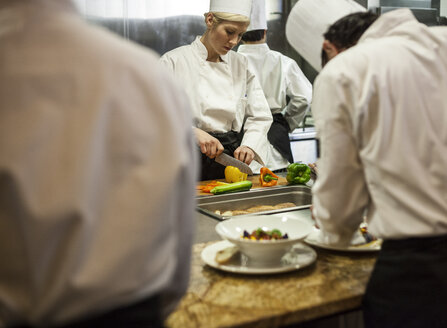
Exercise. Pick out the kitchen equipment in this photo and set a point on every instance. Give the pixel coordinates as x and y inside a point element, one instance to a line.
<point>227,160</point>
<point>300,195</point>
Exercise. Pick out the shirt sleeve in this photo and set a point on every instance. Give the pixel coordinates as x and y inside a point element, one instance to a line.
<point>167,62</point>
<point>340,194</point>
<point>258,119</point>
<point>299,90</point>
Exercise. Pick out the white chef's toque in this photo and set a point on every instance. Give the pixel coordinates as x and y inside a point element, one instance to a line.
<point>241,7</point>
<point>309,20</point>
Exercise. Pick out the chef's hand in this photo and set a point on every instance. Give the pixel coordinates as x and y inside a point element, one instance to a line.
<point>209,145</point>
<point>244,154</point>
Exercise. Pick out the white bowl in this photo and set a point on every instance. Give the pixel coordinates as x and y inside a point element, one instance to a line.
<point>263,251</point>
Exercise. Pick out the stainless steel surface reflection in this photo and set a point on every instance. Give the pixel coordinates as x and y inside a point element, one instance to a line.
<point>301,196</point>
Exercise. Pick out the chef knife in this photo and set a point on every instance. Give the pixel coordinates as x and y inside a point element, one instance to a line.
<point>227,160</point>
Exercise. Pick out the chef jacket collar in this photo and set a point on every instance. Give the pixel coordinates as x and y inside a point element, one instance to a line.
<point>387,24</point>
<point>260,48</point>
<point>203,52</point>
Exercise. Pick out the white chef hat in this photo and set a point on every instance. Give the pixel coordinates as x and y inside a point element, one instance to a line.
<point>241,7</point>
<point>258,19</point>
<point>310,19</point>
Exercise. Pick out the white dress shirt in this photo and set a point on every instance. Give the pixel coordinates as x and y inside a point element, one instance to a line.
<point>223,95</point>
<point>381,115</point>
<point>97,170</point>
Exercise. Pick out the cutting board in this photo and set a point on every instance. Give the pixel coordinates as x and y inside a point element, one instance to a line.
<point>253,178</point>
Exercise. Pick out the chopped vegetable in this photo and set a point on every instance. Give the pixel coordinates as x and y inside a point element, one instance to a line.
<point>298,173</point>
<point>268,178</point>
<point>233,174</point>
<point>209,186</point>
<point>260,234</point>
<point>232,187</point>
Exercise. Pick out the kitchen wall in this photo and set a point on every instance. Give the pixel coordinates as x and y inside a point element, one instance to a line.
<point>164,25</point>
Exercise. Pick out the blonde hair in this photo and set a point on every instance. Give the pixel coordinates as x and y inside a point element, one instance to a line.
<point>219,17</point>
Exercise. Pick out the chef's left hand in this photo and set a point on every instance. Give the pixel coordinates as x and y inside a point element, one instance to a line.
<point>244,154</point>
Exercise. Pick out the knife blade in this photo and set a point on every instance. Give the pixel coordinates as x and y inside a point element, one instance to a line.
<point>227,160</point>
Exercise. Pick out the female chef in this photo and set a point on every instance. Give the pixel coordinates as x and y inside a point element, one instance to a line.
<point>230,111</point>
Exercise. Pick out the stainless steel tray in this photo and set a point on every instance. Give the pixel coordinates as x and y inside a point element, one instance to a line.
<point>299,195</point>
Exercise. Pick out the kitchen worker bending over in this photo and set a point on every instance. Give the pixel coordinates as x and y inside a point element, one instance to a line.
<point>381,117</point>
<point>288,91</point>
<point>225,96</point>
<point>84,239</point>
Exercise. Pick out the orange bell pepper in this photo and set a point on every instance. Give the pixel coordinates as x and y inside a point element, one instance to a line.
<point>268,178</point>
<point>211,185</point>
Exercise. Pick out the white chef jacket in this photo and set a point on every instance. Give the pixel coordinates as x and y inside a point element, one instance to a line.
<point>280,77</point>
<point>97,169</point>
<point>223,95</point>
<point>381,115</point>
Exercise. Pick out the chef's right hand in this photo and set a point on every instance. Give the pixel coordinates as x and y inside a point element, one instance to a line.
<point>209,145</point>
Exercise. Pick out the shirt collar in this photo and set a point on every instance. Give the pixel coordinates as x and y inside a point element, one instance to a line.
<point>203,52</point>
<point>388,24</point>
<point>259,48</point>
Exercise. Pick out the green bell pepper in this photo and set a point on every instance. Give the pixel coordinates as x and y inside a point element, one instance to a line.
<point>298,173</point>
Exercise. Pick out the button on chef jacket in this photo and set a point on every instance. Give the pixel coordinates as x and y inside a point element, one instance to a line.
<point>96,197</point>
<point>383,135</point>
<point>223,95</point>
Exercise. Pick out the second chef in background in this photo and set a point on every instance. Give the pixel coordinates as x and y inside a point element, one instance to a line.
<point>281,79</point>
<point>230,111</point>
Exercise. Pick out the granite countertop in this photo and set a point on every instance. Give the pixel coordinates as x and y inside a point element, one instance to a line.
<point>335,283</point>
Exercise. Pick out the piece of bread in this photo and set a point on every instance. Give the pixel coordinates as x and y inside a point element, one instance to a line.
<point>227,213</point>
<point>285,205</point>
<point>226,254</point>
<point>260,208</point>
<point>240,212</point>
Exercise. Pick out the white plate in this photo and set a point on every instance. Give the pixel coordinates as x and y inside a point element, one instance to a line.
<point>298,257</point>
<point>264,250</point>
<point>314,239</point>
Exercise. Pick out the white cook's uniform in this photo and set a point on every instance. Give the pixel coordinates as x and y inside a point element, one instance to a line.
<point>383,134</point>
<point>280,78</point>
<point>224,96</point>
<point>97,170</point>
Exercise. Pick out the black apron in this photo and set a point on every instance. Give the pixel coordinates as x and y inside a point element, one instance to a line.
<point>408,286</point>
<point>278,136</point>
<point>212,170</point>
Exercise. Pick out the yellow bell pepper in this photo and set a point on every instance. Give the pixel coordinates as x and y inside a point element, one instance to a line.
<point>233,174</point>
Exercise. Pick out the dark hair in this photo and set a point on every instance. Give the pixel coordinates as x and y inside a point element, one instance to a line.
<point>346,31</point>
<point>253,36</point>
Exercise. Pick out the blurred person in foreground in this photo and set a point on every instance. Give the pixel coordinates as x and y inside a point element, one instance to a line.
<point>97,175</point>
<point>286,88</point>
<point>230,111</point>
<point>380,117</point>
